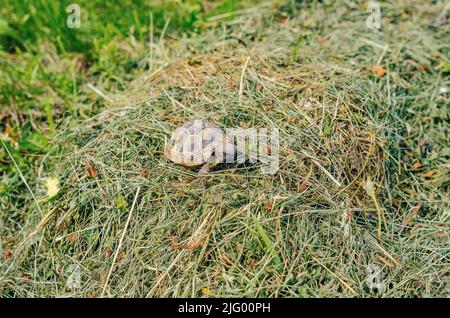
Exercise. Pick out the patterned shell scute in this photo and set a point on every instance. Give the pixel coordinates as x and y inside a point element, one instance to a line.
<point>193,143</point>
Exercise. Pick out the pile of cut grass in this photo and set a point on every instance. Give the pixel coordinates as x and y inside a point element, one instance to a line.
<point>47,70</point>
<point>293,234</point>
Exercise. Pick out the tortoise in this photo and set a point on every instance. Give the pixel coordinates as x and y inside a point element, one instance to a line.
<point>200,144</point>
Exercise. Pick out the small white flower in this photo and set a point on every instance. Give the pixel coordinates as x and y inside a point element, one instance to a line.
<point>52,185</point>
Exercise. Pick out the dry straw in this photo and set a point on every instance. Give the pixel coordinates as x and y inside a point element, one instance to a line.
<point>308,230</point>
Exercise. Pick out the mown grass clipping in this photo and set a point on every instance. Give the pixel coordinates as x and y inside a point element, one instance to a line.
<point>133,224</point>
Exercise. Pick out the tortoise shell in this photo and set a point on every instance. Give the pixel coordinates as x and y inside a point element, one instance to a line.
<point>197,143</point>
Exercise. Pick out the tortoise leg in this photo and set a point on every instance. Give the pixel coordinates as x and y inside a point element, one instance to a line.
<point>203,172</point>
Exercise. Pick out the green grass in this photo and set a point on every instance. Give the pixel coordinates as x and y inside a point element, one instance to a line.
<point>45,66</point>
<point>294,234</point>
